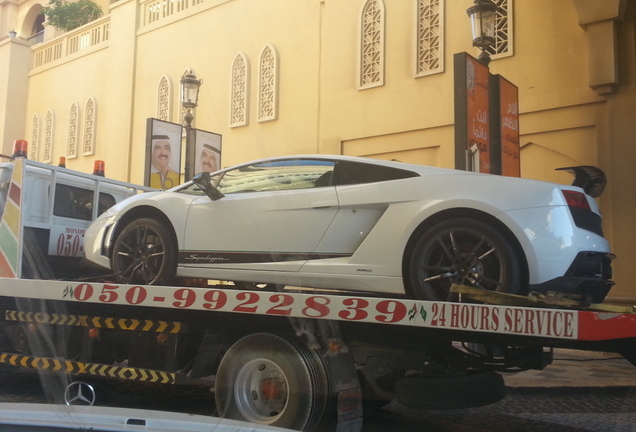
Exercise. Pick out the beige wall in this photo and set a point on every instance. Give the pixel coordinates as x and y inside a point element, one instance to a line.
<point>211,55</point>
<point>13,91</point>
<point>566,117</point>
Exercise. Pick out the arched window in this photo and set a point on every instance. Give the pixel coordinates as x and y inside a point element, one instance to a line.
<point>38,26</point>
<point>73,131</point>
<point>90,122</point>
<point>33,25</point>
<point>429,56</point>
<point>163,99</point>
<point>49,129</point>
<point>371,63</point>
<point>503,31</point>
<point>240,83</point>
<point>268,84</point>
<point>35,137</point>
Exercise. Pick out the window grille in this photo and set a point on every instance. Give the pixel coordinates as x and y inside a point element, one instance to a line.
<point>239,102</point>
<point>372,45</point>
<point>163,99</point>
<point>268,87</point>
<point>90,121</point>
<point>503,31</point>
<point>49,125</point>
<point>73,131</point>
<point>35,137</point>
<point>429,38</point>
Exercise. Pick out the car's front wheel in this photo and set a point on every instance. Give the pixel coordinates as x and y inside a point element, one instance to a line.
<point>463,251</point>
<point>143,253</point>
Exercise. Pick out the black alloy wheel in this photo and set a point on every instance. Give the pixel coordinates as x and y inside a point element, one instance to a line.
<point>463,251</point>
<point>144,254</point>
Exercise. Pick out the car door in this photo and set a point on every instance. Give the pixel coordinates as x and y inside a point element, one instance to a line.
<point>272,217</point>
<point>365,192</point>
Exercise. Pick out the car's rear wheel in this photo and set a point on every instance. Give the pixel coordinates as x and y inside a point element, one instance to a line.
<point>466,252</point>
<point>143,253</point>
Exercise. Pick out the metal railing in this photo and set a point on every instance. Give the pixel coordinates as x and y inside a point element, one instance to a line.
<point>155,10</point>
<point>87,36</point>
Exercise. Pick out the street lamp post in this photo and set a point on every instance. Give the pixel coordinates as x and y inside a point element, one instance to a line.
<point>482,19</point>
<point>190,86</point>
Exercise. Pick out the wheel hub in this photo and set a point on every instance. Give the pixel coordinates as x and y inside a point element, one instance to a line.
<point>272,389</point>
<point>461,251</point>
<point>261,391</point>
<point>470,269</point>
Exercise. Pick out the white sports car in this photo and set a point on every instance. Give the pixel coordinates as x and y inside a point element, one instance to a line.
<point>359,224</point>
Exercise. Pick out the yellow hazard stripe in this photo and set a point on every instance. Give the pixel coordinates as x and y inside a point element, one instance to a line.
<point>99,322</point>
<point>93,369</point>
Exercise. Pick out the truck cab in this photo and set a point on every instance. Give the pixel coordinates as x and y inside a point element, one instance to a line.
<point>57,205</point>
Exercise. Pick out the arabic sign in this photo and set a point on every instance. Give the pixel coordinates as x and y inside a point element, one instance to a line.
<point>472,114</point>
<point>508,103</point>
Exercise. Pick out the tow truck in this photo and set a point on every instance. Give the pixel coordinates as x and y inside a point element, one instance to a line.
<point>297,359</point>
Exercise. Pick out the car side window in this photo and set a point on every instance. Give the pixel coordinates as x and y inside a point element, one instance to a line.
<point>277,176</point>
<point>77,203</point>
<point>350,173</point>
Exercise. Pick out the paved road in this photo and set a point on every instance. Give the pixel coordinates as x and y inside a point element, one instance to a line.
<point>578,392</point>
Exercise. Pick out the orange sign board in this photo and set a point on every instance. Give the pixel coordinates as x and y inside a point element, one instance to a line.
<point>477,104</point>
<point>509,118</point>
<point>472,114</point>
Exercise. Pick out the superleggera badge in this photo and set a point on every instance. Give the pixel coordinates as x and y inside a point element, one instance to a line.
<point>205,258</point>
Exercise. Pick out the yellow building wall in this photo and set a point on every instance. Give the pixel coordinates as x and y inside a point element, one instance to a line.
<point>210,54</point>
<point>403,114</point>
<point>111,138</point>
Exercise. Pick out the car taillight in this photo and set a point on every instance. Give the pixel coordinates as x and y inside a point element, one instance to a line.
<point>576,199</point>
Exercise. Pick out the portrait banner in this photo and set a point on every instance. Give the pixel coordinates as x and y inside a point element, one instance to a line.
<point>207,156</point>
<point>163,154</point>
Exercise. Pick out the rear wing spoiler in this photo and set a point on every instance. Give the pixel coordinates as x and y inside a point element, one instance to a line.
<point>590,178</point>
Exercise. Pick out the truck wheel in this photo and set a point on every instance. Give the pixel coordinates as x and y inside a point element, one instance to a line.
<point>471,389</point>
<point>271,380</point>
<point>144,254</point>
<point>467,252</point>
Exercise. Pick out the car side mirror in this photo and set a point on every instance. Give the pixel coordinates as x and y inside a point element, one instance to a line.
<point>205,184</point>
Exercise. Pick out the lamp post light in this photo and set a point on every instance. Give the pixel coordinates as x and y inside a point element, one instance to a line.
<point>482,19</point>
<point>190,86</point>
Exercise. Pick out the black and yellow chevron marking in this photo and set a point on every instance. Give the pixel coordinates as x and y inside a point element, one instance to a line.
<point>93,369</point>
<point>99,322</point>
<point>42,363</point>
<point>45,318</point>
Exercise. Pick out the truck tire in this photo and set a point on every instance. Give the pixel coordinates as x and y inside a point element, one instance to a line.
<point>471,389</point>
<point>272,380</point>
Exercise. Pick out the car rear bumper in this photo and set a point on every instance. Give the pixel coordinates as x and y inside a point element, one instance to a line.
<point>589,276</point>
